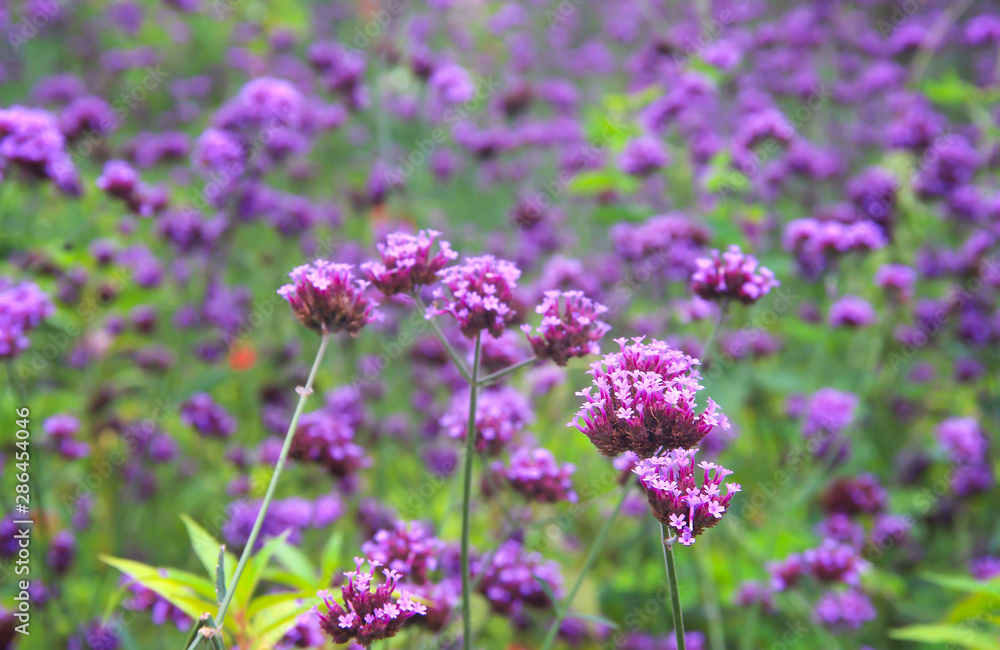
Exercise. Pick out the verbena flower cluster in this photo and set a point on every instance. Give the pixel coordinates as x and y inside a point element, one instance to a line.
<point>22,307</point>
<point>643,400</point>
<point>570,327</point>
<point>326,298</point>
<point>537,476</point>
<point>479,296</point>
<point>677,497</point>
<point>733,275</point>
<point>370,612</point>
<point>407,262</point>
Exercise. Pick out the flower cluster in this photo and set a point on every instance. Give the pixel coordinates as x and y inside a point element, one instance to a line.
<point>500,414</point>
<point>162,610</point>
<point>645,401</point>
<point>535,474</point>
<point>409,549</point>
<point>733,275</point>
<point>22,307</point>
<point>572,331</point>
<point>676,498</point>
<point>208,418</point>
<point>844,610</point>
<point>511,580</point>
<point>31,140</point>
<point>61,430</point>
<point>968,449</point>
<point>407,262</point>
<point>367,615</point>
<point>328,440</point>
<point>292,515</point>
<point>326,298</point>
<point>481,295</point>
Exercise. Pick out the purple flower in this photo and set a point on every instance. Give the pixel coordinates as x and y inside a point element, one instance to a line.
<point>535,474</point>
<point>963,440</point>
<point>61,552</point>
<point>119,179</point>
<point>510,580</point>
<point>897,280</point>
<point>326,298</point>
<point>22,307</point>
<point>829,411</point>
<point>409,549</point>
<point>845,610</point>
<point>207,417</point>
<point>643,156</point>
<point>292,516</point>
<point>30,138</point>
<point>452,84</point>
<point>500,414</point>
<point>816,243</point>
<point>984,567</point>
<point>675,497</point>
<point>95,636</point>
<point>61,430</point>
<point>645,401</point>
<point>852,496</point>
<point>407,262</point>
<point>851,311</point>
<point>733,276</point>
<point>834,562</point>
<point>367,615</point>
<point>481,295</point>
<point>325,439</point>
<point>573,332</point>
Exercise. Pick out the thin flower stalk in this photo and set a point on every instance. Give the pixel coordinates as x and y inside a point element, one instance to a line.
<point>304,394</point>
<point>470,452</point>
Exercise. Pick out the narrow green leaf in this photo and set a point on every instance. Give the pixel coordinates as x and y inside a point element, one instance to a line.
<point>220,575</point>
<point>594,618</point>
<point>548,592</point>
<point>331,555</point>
<point>958,635</point>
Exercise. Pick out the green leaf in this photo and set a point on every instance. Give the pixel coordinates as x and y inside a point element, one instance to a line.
<point>548,592</point>
<point>169,587</point>
<point>261,603</point>
<point>255,569</point>
<point>957,635</point>
<point>594,618</point>
<point>271,623</point>
<point>220,575</point>
<point>331,555</point>
<point>296,562</point>
<point>963,583</point>
<point>206,547</point>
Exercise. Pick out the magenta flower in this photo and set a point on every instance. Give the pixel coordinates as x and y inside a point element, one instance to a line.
<point>732,276</point>
<point>512,580</point>
<point>22,307</point>
<point>897,280</point>
<point>851,311</point>
<point>481,295</point>
<point>328,441</point>
<point>407,262</point>
<point>500,414</point>
<point>326,298</point>
<point>535,474</point>
<point>675,497</point>
<point>409,549</point>
<point>367,615</point>
<point>844,610</point>
<point>573,332</point>
<point>963,440</point>
<point>645,401</point>
<point>119,179</point>
<point>207,417</point>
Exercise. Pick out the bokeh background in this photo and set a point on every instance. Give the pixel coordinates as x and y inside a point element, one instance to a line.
<point>166,164</point>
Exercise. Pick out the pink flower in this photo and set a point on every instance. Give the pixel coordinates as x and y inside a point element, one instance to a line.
<point>572,332</point>
<point>481,295</point>
<point>326,298</point>
<point>407,262</point>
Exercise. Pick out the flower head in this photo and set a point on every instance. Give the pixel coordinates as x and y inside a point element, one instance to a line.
<point>407,262</point>
<point>326,298</point>
<point>535,474</point>
<point>367,615</point>
<point>676,498</point>
<point>328,441</point>
<point>512,579</point>
<point>572,332</point>
<point>481,295</point>
<point>645,401</point>
<point>733,275</point>
<point>22,307</point>
<point>209,418</point>
<point>500,414</point>
<point>410,549</point>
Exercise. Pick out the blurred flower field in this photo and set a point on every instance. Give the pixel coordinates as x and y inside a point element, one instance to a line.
<point>479,324</point>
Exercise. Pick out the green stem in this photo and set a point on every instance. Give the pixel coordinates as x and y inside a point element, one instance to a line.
<point>675,597</point>
<point>595,548</point>
<point>289,436</point>
<point>488,379</point>
<point>470,454</point>
<point>455,357</point>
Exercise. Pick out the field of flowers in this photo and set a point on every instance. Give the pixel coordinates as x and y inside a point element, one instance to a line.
<point>463,324</point>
